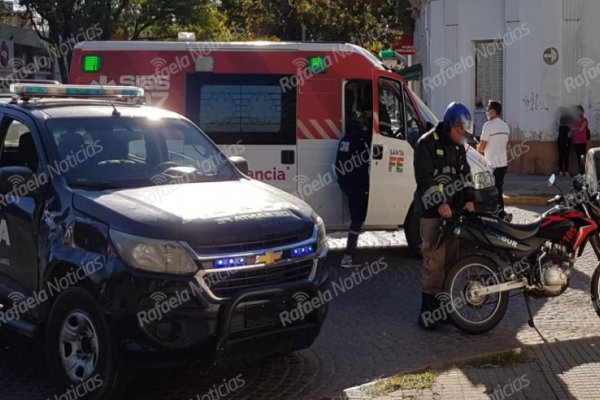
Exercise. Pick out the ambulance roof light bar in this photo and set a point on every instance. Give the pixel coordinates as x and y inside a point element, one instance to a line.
<point>45,90</point>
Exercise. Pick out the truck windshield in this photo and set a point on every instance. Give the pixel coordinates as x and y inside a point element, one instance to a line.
<point>106,152</point>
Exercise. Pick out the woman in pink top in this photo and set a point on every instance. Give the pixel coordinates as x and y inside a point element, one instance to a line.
<point>580,136</point>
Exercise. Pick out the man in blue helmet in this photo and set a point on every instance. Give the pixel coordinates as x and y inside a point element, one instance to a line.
<point>444,184</point>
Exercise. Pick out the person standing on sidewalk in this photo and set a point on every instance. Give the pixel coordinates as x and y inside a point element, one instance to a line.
<point>479,118</point>
<point>564,140</point>
<point>494,145</point>
<point>444,184</point>
<point>580,136</point>
<point>352,173</point>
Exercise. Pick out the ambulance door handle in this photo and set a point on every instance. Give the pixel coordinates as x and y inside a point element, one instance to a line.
<point>377,152</point>
<point>288,157</point>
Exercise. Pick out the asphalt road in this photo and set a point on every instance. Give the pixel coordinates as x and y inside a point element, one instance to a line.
<point>370,333</point>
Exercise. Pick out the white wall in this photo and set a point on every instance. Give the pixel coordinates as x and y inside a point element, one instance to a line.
<point>533,90</point>
<point>589,40</point>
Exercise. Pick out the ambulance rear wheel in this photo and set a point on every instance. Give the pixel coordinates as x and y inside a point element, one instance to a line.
<point>412,231</point>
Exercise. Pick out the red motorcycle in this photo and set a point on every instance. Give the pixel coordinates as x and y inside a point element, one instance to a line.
<point>536,258</point>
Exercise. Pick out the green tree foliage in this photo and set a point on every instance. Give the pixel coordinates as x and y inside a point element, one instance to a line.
<point>373,24</point>
<point>62,23</point>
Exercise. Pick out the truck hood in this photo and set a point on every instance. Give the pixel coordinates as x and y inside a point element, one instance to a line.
<point>202,214</point>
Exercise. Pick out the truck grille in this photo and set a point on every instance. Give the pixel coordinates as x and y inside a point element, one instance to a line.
<point>265,243</point>
<point>224,283</point>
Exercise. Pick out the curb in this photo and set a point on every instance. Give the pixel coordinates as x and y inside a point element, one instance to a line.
<point>526,200</point>
<point>437,366</point>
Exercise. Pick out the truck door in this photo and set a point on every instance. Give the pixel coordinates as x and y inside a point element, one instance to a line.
<point>392,182</point>
<point>249,115</point>
<point>18,230</point>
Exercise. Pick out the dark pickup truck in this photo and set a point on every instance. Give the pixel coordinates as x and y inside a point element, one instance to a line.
<point>129,239</point>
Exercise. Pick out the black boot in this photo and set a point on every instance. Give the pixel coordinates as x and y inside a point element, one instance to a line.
<point>426,317</point>
<point>444,308</point>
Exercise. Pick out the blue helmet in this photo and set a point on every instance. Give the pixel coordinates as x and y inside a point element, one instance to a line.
<point>458,113</point>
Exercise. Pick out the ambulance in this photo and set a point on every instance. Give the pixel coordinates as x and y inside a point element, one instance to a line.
<point>283,106</point>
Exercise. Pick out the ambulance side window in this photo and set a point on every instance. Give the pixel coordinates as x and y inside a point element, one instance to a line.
<point>242,109</point>
<point>391,111</point>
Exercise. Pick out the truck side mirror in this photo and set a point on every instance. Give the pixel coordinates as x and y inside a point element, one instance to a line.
<point>240,163</point>
<point>17,179</point>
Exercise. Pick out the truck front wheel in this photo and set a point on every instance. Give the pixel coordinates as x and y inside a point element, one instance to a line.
<point>79,348</point>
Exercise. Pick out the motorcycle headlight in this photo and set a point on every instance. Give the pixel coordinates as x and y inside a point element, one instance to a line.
<point>322,232</point>
<point>153,255</point>
<point>484,180</point>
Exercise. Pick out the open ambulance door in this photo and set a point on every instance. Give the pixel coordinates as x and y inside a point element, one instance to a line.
<point>392,182</point>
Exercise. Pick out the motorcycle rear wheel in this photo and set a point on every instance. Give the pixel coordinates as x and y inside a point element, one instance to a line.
<point>474,315</point>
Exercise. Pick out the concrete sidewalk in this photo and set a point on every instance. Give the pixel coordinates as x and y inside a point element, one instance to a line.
<point>556,370</point>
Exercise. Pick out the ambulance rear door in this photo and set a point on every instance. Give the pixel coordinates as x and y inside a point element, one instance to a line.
<point>250,115</point>
<point>392,182</point>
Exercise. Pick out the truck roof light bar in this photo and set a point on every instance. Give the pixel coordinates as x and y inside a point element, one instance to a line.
<point>45,90</point>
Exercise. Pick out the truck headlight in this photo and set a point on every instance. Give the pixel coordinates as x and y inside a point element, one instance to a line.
<point>321,231</point>
<point>153,255</point>
<point>484,180</point>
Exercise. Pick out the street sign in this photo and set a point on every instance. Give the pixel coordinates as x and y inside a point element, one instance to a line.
<point>551,55</point>
<point>405,45</point>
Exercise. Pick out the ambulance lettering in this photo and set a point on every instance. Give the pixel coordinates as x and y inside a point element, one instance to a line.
<point>396,161</point>
<point>268,175</point>
<point>156,86</point>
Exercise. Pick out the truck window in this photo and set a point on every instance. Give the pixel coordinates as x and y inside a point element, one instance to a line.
<point>134,152</point>
<point>18,148</point>
<point>391,110</point>
<point>247,109</point>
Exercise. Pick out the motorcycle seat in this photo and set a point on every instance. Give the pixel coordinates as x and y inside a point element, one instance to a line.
<point>521,231</point>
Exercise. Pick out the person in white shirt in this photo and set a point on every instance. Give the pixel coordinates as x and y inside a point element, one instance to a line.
<point>493,145</point>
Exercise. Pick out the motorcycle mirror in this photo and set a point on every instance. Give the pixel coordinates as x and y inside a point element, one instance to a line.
<point>551,180</point>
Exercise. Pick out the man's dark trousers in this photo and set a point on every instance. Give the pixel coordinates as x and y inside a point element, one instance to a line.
<point>499,174</point>
<point>358,204</point>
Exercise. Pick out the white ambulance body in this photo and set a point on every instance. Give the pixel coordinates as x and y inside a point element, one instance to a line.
<point>283,106</point>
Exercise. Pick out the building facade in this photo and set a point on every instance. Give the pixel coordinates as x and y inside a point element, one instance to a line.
<point>533,55</point>
<point>23,55</point>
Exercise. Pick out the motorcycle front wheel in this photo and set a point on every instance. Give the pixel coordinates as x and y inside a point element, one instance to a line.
<point>470,313</point>
<point>595,290</point>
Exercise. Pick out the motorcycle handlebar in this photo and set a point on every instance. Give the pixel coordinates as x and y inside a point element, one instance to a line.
<point>556,199</point>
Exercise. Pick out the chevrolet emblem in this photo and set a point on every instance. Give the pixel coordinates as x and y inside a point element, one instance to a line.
<point>269,258</point>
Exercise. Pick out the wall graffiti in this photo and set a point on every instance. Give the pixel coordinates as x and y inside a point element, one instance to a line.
<point>534,102</point>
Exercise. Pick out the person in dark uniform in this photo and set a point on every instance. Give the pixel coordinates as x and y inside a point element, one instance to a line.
<point>444,184</point>
<point>564,140</point>
<point>352,172</point>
